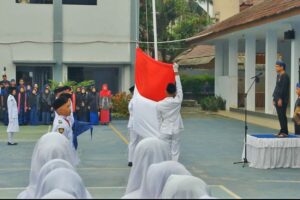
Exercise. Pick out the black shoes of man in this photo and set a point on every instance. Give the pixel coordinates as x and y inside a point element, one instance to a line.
<point>15,143</point>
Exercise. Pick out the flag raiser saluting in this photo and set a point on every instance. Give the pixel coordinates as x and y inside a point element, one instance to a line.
<point>151,79</point>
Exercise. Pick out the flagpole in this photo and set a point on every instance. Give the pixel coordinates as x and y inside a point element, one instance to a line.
<point>155,30</point>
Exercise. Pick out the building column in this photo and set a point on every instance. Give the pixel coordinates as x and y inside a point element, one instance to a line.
<point>233,72</point>
<point>250,68</point>
<point>58,36</point>
<point>219,62</point>
<point>270,72</point>
<point>295,65</point>
<point>65,73</point>
<point>134,36</point>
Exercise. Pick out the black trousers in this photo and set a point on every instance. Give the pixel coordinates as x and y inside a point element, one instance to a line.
<point>297,129</point>
<point>281,112</point>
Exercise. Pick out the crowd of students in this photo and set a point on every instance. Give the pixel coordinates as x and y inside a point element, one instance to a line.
<point>35,103</point>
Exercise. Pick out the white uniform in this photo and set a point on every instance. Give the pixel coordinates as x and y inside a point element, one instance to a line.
<point>134,138</point>
<point>70,117</point>
<point>62,125</point>
<point>13,125</point>
<point>170,121</point>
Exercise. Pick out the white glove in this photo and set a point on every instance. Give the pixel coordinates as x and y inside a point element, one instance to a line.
<point>175,67</point>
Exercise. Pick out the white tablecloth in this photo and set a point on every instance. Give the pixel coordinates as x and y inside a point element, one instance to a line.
<point>269,153</point>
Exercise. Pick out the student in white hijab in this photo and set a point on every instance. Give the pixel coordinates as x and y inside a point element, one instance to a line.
<point>148,151</point>
<point>58,194</point>
<point>185,187</point>
<point>65,180</point>
<point>157,176</point>
<point>50,146</point>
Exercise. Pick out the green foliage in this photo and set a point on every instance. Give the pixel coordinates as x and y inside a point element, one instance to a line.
<point>120,103</point>
<point>213,104</point>
<point>54,84</point>
<point>195,84</point>
<point>176,20</point>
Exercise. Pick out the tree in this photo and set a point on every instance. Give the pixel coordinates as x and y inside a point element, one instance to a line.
<point>176,20</point>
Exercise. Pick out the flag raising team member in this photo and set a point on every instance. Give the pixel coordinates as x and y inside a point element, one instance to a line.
<point>61,122</point>
<point>169,117</point>
<point>134,138</point>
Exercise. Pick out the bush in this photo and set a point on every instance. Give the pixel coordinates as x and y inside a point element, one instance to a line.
<point>213,104</point>
<point>120,104</point>
<point>197,84</point>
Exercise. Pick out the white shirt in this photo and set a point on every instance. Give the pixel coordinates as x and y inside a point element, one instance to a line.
<point>63,125</point>
<point>130,109</point>
<point>12,106</point>
<point>168,112</point>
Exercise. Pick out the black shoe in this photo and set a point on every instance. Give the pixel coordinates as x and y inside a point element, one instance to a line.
<point>130,164</point>
<point>8,143</point>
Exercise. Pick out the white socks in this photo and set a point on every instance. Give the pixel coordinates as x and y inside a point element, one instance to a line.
<point>10,137</point>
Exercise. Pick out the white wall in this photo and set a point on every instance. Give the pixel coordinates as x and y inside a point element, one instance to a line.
<point>110,20</point>
<point>24,22</point>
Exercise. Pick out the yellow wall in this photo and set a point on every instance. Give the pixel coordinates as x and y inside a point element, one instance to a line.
<point>226,8</point>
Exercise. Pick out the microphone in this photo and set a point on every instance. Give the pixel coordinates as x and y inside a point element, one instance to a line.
<point>257,75</point>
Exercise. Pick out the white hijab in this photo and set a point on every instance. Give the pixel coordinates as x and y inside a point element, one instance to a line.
<point>184,187</point>
<point>157,176</point>
<point>49,167</point>
<point>148,151</point>
<point>58,194</point>
<point>65,180</point>
<point>50,146</point>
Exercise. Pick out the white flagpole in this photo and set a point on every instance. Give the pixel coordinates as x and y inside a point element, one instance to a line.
<point>155,30</point>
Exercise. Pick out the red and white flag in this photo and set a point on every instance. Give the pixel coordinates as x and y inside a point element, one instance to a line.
<point>151,80</point>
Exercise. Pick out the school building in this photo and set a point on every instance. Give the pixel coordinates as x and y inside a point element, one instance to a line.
<point>69,40</point>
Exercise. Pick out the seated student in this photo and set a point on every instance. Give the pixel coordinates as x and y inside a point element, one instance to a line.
<point>148,152</point>
<point>185,187</point>
<point>50,146</point>
<point>58,194</point>
<point>61,122</point>
<point>157,176</point>
<point>65,180</point>
<point>46,169</point>
<point>50,166</point>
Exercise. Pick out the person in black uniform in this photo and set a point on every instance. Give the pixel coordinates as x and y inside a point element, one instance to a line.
<point>93,106</point>
<point>82,104</point>
<point>281,97</point>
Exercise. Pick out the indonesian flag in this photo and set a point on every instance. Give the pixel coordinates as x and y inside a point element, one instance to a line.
<point>151,80</point>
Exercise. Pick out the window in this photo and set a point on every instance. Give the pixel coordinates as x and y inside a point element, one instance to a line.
<point>72,2</point>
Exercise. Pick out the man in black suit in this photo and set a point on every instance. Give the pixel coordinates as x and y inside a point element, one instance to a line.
<point>281,97</point>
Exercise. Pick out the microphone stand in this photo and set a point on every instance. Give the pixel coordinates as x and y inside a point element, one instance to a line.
<point>245,160</point>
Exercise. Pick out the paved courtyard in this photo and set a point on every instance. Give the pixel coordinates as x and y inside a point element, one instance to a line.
<point>210,145</point>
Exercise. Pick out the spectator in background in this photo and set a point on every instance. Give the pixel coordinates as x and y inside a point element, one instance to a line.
<point>82,106</point>
<point>13,83</point>
<point>22,106</point>
<point>93,106</point>
<point>46,104</point>
<point>105,105</point>
<point>33,107</point>
<point>21,84</point>
<point>4,104</point>
<point>4,79</point>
